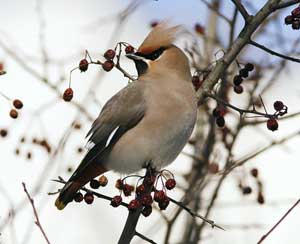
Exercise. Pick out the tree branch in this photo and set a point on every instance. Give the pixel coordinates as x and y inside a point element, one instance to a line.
<point>262,47</point>
<point>241,9</point>
<point>281,219</point>
<point>37,220</point>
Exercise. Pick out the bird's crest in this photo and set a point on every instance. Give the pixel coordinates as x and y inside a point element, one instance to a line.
<point>162,35</point>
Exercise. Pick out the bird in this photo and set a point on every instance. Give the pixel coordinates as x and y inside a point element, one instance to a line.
<point>146,123</point>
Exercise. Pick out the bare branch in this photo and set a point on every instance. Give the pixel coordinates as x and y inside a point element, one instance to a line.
<point>285,4</point>
<point>145,238</point>
<point>37,220</point>
<point>262,47</point>
<point>241,9</point>
<point>193,214</point>
<point>281,219</point>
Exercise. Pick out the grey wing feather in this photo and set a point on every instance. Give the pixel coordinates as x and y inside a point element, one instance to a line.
<point>123,110</point>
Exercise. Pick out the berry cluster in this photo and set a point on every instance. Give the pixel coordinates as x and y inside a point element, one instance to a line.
<point>107,65</point>
<point>293,19</point>
<point>280,110</point>
<point>238,79</point>
<point>247,190</point>
<point>146,193</point>
<point>219,113</point>
<point>200,29</point>
<point>17,104</point>
<point>88,197</point>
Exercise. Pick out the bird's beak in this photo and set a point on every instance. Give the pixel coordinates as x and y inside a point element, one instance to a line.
<point>134,57</point>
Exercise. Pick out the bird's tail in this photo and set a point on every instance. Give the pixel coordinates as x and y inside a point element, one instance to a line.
<point>66,194</point>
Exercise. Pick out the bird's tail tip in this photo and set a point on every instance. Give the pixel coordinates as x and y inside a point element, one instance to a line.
<point>59,204</point>
<point>66,194</point>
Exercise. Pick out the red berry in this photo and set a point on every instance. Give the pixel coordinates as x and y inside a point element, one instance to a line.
<point>254,172</point>
<point>128,189</point>
<point>109,54</point>
<point>249,67</point>
<point>103,180</point>
<point>260,198</point>
<point>237,80</point>
<point>108,65</point>
<point>1,66</point>
<point>159,196</point>
<point>134,204</point>
<point>278,105</point>
<point>13,113</point>
<point>170,184</point>
<point>288,20</point>
<point>154,23</point>
<point>199,29</point>
<point>116,201</point>
<point>140,190</point>
<point>164,203</point>
<point>119,184</point>
<point>147,210</point>
<point>238,89</point>
<point>219,112</point>
<point>83,65</point>
<point>244,73</point>
<point>3,132</point>
<point>29,155</point>
<point>272,124</point>
<point>18,104</point>
<point>146,200</point>
<point>296,12</point>
<point>213,168</point>
<point>129,49</point>
<point>89,198</point>
<point>220,121</point>
<point>247,190</point>
<point>94,184</point>
<point>78,197</point>
<point>68,94</point>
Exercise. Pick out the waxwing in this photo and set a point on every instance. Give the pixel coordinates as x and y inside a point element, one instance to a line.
<point>148,122</point>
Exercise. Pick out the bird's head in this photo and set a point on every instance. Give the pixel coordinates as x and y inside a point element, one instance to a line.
<point>158,54</point>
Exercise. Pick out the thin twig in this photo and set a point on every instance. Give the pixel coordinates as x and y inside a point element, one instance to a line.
<point>277,223</point>
<point>145,238</point>
<point>37,220</point>
<point>193,214</point>
<point>262,47</point>
<point>241,9</point>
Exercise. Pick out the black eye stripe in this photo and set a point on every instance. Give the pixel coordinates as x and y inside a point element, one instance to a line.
<point>152,56</point>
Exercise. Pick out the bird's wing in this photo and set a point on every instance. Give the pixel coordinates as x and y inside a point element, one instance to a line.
<point>122,109</point>
<point>121,113</point>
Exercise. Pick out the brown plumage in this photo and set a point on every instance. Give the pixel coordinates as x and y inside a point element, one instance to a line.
<point>161,36</point>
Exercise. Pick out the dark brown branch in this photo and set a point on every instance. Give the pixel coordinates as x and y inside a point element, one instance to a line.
<point>241,9</point>
<point>37,220</point>
<point>193,214</point>
<point>97,194</point>
<point>240,110</point>
<point>241,41</point>
<point>281,219</point>
<point>145,238</point>
<point>262,47</point>
<point>286,4</point>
